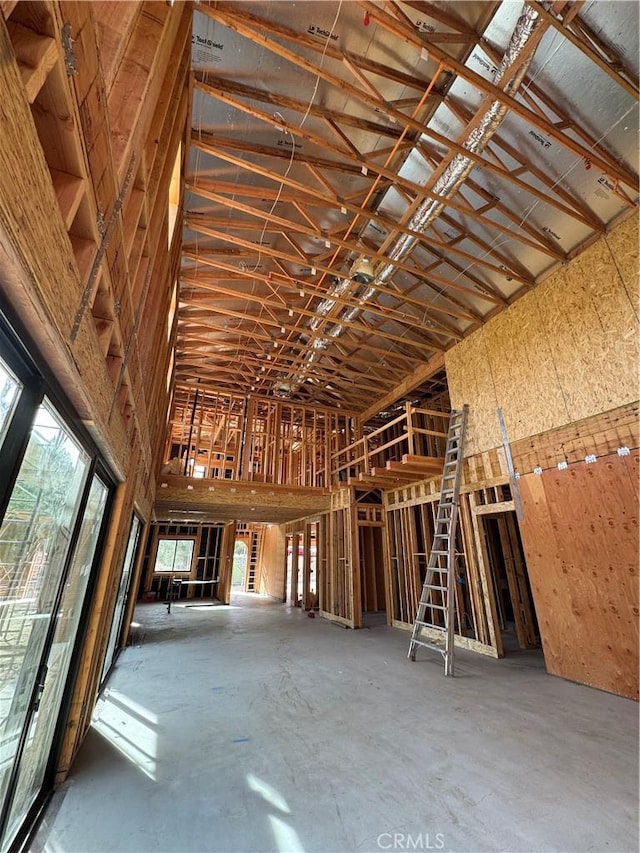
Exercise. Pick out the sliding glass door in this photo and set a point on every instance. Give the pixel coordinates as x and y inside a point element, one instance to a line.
<point>123,595</point>
<point>39,737</point>
<point>53,504</point>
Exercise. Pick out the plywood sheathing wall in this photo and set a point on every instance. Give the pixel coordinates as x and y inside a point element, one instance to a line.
<point>562,363</point>
<point>40,275</point>
<point>565,351</point>
<point>584,576</point>
<point>272,561</point>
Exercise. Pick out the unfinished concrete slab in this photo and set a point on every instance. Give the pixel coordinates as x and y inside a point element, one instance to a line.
<point>255,728</point>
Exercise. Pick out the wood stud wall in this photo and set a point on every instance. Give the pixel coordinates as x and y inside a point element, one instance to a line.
<point>254,439</point>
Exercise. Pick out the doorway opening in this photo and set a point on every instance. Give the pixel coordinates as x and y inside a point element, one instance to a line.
<point>301,577</point>
<point>240,563</point>
<point>372,577</point>
<point>515,608</point>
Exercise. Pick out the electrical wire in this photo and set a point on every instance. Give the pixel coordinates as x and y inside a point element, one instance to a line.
<point>286,130</point>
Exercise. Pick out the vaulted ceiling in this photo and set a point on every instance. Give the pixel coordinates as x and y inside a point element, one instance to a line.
<point>453,152</point>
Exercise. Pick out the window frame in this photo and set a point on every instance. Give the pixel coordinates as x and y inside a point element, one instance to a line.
<point>173,571</point>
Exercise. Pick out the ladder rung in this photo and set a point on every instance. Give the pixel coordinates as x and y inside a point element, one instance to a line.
<point>424,624</point>
<point>433,646</point>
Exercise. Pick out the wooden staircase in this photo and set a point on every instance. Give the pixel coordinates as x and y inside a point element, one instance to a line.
<point>411,469</point>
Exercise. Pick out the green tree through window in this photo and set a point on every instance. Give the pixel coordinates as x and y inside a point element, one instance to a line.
<point>174,555</point>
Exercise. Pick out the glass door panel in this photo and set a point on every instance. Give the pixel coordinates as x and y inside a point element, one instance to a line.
<point>123,589</point>
<point>34,542</point>
<point>10,388</point>
<point>35,756</point>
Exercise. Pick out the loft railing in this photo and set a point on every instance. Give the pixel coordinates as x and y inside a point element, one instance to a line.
<point>416,432</point>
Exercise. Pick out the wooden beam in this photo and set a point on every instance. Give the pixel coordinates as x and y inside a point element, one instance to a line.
<point>439,248</point>
<point>601,160</point>
<point>196,224</point>
<point>209,145</point>
<point>402,318</point>
<point>630,85</point>
<point>419,375</point>
<point>285,280</point>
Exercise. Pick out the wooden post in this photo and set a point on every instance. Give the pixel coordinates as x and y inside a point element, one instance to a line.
<point>295,567</point>
<point>356,574</point>
<point>226,562</point>
<point>306,567</point>
<point>410,438</point>
<point>484,569</point>
<point>473,572</point>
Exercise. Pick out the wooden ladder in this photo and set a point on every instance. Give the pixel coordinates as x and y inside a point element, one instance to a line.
<point>434,626</point>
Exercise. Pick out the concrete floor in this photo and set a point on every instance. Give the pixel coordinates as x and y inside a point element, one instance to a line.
<point>254,728</point>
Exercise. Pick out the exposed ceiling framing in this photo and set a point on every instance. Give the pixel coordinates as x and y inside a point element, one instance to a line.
<point>321,130</point>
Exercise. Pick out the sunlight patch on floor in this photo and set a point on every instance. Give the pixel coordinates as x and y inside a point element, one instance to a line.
<point>130,728</point>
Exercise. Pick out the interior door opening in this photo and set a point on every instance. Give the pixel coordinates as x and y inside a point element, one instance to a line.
<point>240,563</point>
<point>372,576</point>
<point>511,588</point>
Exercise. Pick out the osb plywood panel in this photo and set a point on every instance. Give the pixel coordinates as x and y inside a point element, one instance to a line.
<point>271,565</point>
<point>593,334</point>
<point>564,352</point>
<point>470,381</point>
<point>623,245</point>
<point>600,435</point>
<point>580,537</point>
<point>517,346</point>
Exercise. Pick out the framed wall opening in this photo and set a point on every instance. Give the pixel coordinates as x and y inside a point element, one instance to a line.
<point>373,590</point>
<point>240,565</point>
<point>515,608</point>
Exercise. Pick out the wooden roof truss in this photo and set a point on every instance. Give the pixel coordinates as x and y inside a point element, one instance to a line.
<point>319,129</point>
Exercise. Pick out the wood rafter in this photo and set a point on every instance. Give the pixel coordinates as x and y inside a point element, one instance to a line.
<point>191,285</point>
<point>600,158</point>
<point>283,280</point>
<point>218,148</point>
<point>604,56</point>
<point>284,193</point>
